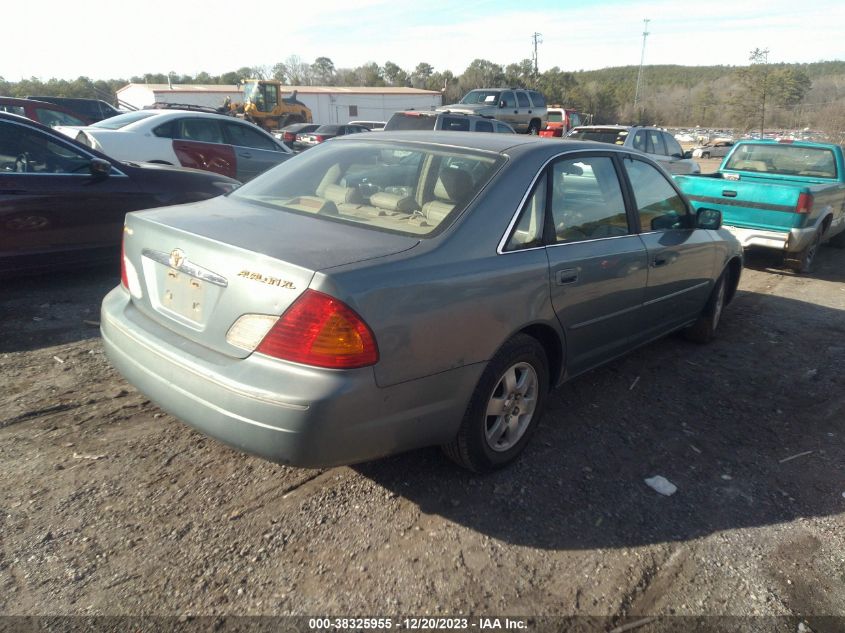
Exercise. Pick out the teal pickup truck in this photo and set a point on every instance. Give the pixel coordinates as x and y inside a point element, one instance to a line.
<point>785,195</point>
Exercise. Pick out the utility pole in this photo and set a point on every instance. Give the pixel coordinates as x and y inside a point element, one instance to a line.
<point>640,74</point>
<point>762,56</point>
<point>537,37</point>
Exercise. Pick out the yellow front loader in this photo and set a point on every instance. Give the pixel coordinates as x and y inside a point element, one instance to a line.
<point>264,105</point>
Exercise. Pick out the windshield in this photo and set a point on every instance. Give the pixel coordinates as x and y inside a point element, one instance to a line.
<point>486,97</point>
<point>615,137</point>
<point>408,189</point>
<point>250,91</point>
<point>789,160</point>
<point>122,120</point>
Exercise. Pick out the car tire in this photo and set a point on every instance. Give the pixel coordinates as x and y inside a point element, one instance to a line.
<point>705,155</point>
<point>704,329</point>
<point>805,261</point>
<point>534,128</point>
<point>505,407</point>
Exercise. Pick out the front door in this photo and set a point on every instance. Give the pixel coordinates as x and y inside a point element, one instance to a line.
<point>255,153</point>
<point>680,257</point>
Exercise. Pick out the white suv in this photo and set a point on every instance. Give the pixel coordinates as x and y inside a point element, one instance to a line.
<point>657,143</point>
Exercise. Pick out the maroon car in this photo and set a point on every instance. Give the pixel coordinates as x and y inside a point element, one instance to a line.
<point>62,204</point>
<point>45,113</point>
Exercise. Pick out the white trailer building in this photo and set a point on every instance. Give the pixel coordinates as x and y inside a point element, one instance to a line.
<point>329,104</point>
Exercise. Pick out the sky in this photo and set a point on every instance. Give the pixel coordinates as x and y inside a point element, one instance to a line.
<point>118,40</point>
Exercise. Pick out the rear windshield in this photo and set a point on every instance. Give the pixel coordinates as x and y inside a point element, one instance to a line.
<point>327,129</point>
<point>407,189</point>
<point>405,121</point>
<point>788,160</point>
<point>616,137</point>
<point>122,120</point>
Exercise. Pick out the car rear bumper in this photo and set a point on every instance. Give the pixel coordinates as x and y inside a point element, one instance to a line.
<point>315,418</point>
<point>792,241</point>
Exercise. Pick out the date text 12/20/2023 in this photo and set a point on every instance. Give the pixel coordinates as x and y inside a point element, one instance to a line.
<point>417,623</point>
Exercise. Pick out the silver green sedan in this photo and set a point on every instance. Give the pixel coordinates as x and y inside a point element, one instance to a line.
<point>390,291</point>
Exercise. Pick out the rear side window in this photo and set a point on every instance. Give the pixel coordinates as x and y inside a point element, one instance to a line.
<point>587,201</point>
<point>203,130</point>
<point>504,129</point>
<point>655,140</point>
<point>537,99</point>
<point>483,126</point>
<point>244,136</point>
<point>522,100</point>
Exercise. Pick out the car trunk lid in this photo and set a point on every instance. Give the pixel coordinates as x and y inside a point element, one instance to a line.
<point>199,267</point>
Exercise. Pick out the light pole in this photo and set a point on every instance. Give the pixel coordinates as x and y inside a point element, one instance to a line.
<point>640,73</point>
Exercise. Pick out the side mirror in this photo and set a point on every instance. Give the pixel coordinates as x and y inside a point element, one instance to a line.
<point>100,168</point>
<point>710,219</point>
<point>502,103</point>
<point>679,156</point>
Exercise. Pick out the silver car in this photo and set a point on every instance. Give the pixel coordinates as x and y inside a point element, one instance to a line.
<point>390,291</point>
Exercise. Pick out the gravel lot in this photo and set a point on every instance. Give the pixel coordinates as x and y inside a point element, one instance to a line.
<point>109,506</point>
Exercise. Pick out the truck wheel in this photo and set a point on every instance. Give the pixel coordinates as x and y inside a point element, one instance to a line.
<point>534,127</point>
<point>704,329</point>
<point>505,407</point>
<point>804,261</point>
<point>706,155</point>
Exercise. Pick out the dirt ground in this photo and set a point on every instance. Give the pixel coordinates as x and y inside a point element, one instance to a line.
<point>109,506</point>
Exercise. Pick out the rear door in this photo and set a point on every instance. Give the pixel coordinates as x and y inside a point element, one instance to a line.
<point>681,258</point>
<point>598,264</point>
<point>509,111</point>
<point>255,152</point>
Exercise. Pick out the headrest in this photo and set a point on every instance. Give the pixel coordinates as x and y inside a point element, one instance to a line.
<point>453,185</point>
<point>393,202</point>
<point>339,194</point>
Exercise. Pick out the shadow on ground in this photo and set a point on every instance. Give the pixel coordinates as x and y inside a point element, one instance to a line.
<point>750,428</point>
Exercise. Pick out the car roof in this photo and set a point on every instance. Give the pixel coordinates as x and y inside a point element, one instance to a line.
<point>499,143</point>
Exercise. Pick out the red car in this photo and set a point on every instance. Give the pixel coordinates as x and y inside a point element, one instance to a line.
<point>45,113</point>
<point>560,121</point>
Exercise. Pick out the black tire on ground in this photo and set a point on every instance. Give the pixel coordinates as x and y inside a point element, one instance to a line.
<point>534,127</point>
<point>704,329</point>
<point>805,261</point>
<point>706,155</point>
<point>505,407</point>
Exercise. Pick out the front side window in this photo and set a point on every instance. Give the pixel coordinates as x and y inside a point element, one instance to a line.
<point>659,206</point>
<point>28,151</point>
<point>397,188</point>
<point>522,99</point>
<point>508,100</point>
<point>504,129</point>
<point>483,126</point>
<point>587,202</point>
<point>673,148</point>
<point>244,136</point>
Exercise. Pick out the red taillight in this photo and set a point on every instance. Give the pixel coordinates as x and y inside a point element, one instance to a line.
<point>322,331</point>
<point>805,203</point>
<point>289,137</point>
<point>319,138</point>
<point>124,278</point>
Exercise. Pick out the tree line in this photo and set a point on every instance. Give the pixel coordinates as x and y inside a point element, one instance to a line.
<point>776,95</point>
